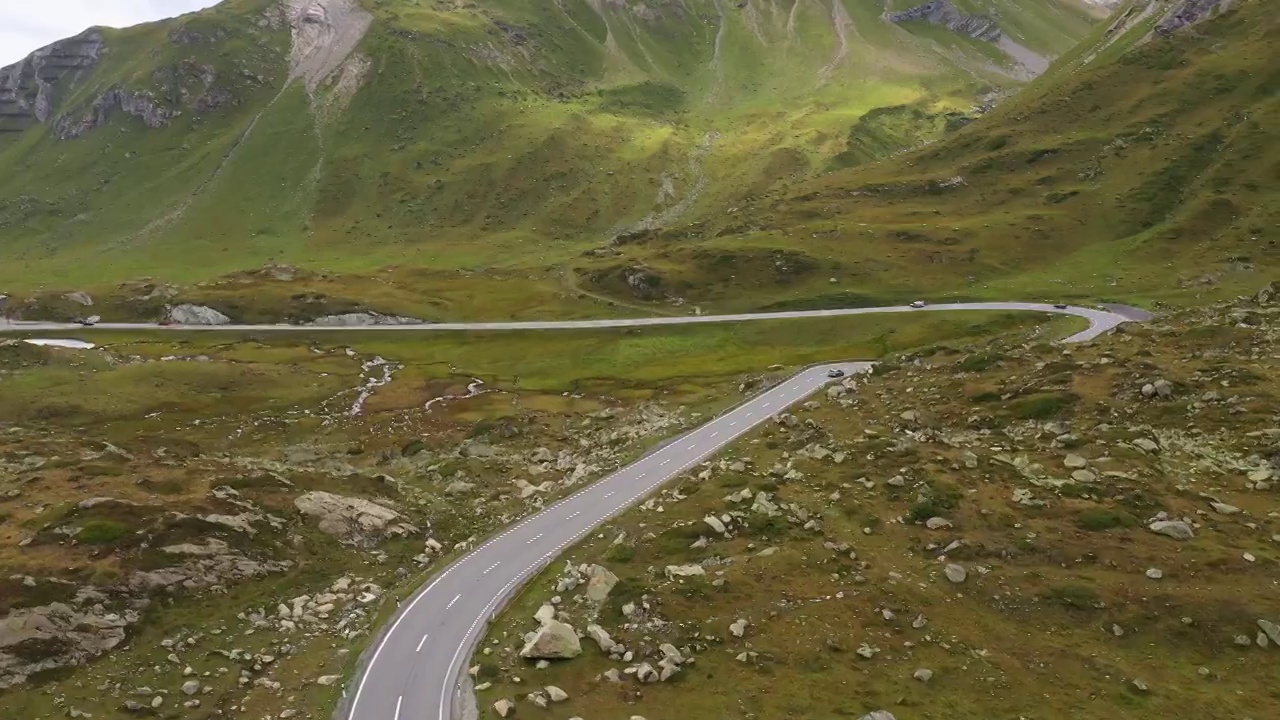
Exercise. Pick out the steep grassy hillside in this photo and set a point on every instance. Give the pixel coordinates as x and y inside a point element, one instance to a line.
<point>505,137</point>
<point>1145,165</point>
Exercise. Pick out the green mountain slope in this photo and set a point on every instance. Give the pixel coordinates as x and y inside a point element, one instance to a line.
<point>501,139</point>
<point>1144,166</point>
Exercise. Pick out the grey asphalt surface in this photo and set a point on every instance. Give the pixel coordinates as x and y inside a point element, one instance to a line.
<point>1101,320</point>
<point>413,671</point>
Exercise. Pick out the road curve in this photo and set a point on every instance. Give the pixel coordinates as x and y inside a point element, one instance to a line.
<point>413,670</point>
<point>1100,320</point>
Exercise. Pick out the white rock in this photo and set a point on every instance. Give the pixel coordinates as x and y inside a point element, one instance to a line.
<point>555,694</point>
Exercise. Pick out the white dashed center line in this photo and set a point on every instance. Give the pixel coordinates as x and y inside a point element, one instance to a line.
<point>455,599</point>
<point>398,701</point>
<point>421,642</point>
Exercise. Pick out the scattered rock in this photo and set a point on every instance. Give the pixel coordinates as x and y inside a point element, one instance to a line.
<point>738,628</point>
<point>555,694</point>
<point>1176,529</point>
<point>956,573</point>
<point>1271,629</point>
<point>504,707</point>
<point>679,571</point>
<point>924,675</point>
<point>600,583</point>
<point>1074,461</point>
<point>1155,573</point>
<point>355,520</point>
<point>714,523</point>
<point>601,637</point>
<point>553,641</point>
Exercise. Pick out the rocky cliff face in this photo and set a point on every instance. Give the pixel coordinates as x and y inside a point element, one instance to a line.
<point>1188,12</point>
<point>27,86</point>
<point>941,12</point>
<point>138,104</point>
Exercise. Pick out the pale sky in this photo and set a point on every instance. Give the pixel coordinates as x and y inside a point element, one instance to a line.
<point>26,25</point>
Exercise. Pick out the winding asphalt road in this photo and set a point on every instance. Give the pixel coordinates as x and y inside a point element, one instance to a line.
<point>413,671</point>
<point>1100,320</point>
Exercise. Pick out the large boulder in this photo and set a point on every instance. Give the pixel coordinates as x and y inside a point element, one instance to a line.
<point>601,636</point>
<point>599,583</point>
<point>368,319</point>
<point>354,520</point>
<point>55,636</point>
<point>1176,529</point>
<point>553,641</point>
<point>188,314</point>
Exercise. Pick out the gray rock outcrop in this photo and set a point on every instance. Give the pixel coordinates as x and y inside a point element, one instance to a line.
<point>27,87</point>
<point>366,319</point>
<point>1186,13</point>
<point>140,104</point>
<point>56,636</point>
<point>942,12</point>
<point>188,314</point>
<point>355,521</point>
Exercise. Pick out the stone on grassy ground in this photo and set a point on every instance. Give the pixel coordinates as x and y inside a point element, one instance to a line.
<point>555,694</point>
<point>1271,629</point>
<point>600,583</point>
<point>680,571</point>
<point>504,707</point>
<point>1176,529</point>
<point>738,628</point>
<point>553,641</point>
<point>924,675</point>
<point>956,573</point>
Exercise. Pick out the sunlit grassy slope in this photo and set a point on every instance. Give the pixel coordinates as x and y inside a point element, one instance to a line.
<point>503,136</point>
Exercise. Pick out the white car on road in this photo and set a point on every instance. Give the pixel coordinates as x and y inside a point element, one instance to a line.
<point>918,304</point>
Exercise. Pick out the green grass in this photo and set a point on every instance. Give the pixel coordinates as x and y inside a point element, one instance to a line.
<point>500,140</point>
<point>101,532</point>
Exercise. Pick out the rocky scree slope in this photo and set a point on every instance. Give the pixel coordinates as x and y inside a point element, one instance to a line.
<point>453,135</point>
